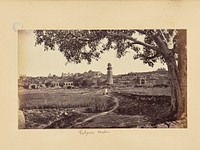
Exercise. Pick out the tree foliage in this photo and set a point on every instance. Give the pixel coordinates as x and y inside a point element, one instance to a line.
<point>78,45</point>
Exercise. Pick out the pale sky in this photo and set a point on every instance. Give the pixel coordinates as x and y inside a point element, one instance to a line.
<point>34,61</point>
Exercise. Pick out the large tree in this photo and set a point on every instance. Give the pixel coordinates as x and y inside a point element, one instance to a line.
<point>150,46</point>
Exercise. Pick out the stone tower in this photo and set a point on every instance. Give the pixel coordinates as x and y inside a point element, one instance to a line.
<point>109,75</point>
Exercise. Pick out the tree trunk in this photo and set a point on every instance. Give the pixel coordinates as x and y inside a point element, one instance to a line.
<point>182,66</point>
<point>177,103</point>
<point>176,100</point>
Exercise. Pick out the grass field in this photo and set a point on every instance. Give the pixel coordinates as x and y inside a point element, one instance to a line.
<point>43,107</point>
<point>64,99</point>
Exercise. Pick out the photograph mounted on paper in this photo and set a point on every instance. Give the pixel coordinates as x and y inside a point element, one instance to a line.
<point>129,78</point>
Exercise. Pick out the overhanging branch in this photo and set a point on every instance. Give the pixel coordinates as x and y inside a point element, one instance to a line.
<point>135,41</point>
<point>150,57</point>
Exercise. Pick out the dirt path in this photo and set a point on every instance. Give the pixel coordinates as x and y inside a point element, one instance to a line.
<point>102,113</point>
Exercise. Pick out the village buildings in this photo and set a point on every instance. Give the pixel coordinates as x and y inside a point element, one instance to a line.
<point>143,79</point>
<point>96,79</point>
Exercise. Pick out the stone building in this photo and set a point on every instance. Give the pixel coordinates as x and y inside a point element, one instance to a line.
<point>41,85</point>
<point>68,85</point>
<point>92,74</point>
<point>56,84</point>
<point>141,81</point>
<point>32,86</point>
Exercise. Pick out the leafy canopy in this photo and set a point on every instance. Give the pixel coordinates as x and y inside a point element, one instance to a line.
<point>78,45</point>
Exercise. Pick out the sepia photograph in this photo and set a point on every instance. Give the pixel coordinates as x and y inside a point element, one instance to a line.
<point>111,78</point>
<point>111,75</point>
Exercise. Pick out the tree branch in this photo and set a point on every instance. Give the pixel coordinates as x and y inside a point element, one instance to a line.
<point>163,47</point>
<point>147,45</point>
<point>174,50</point>
<point>140,31</point>
<point>85,39</point>
<point>163,36</point>
<point>151,57</point>
<point>135,41</point>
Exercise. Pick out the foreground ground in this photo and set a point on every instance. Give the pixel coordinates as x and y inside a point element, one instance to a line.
<point>89,108</point>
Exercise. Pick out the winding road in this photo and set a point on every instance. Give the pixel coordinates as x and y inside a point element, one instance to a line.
<point>116,101</point>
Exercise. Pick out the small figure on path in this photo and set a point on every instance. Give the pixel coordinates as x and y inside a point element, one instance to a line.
<point>105,91</point>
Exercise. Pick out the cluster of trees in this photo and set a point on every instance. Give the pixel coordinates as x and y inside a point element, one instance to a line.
<point>165,45</point>
<point>88,82</point>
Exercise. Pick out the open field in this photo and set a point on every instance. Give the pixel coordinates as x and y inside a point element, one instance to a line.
<point>62,100</point>
<point>44,106</point>
<point>137,107</point>
<point>155,91</point>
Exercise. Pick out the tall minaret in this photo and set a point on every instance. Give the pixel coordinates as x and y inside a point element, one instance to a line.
<point>109,75</point>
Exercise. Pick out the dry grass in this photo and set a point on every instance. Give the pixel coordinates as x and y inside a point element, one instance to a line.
<point>62,99</point>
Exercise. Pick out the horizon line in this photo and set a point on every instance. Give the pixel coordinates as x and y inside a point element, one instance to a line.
<point>88,71</point>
